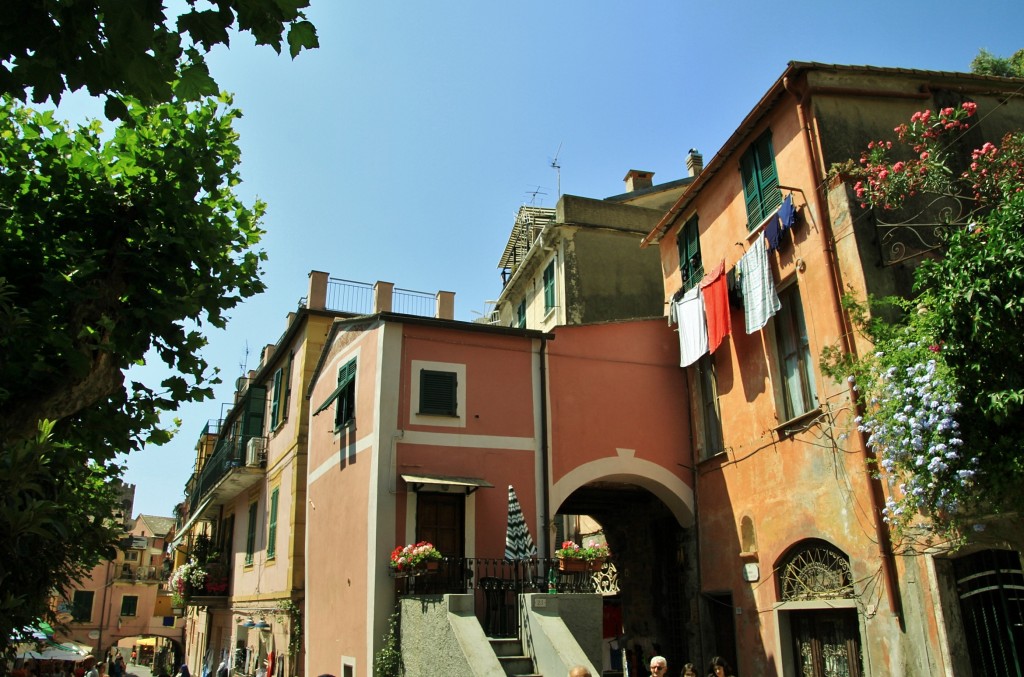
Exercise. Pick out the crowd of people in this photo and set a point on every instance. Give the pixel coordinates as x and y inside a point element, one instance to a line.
<point>718,667</point>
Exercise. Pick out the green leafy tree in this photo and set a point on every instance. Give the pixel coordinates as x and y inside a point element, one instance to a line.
<point>136,48</point>
<point>943,393</point>
<point>987,63</point>
<point>116,246</point>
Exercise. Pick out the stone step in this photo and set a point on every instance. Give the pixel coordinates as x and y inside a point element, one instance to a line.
<point>506,647</point>
<point>516,666</point>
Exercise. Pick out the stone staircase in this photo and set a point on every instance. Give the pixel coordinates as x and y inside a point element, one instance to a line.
<point>510,654</point>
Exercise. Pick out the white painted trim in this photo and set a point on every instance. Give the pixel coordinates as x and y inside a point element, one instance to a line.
<point>347,662</point>
<point>461,394</point>
<point>479,441</point>
<point>625,467</point>
<point>363,445</point>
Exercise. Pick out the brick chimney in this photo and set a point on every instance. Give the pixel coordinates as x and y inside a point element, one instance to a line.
<point>694,162</point>
<point>637,179</point>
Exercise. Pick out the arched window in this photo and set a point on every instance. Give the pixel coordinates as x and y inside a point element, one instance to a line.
<point>815,570</point>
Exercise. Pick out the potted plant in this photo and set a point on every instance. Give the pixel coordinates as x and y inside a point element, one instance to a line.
<point>574,557</point>
<point>415,556</point>
<point>186,579</point>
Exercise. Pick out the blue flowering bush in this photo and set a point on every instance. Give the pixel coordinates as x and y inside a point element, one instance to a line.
<point>911,405</point>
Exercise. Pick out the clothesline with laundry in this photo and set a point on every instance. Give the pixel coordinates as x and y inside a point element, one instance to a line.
<point>702,313</point>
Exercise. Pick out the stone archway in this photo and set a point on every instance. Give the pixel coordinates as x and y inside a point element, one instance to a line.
<point>646,513</point>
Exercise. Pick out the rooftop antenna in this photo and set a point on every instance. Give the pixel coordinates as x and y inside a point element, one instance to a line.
<point>533,195</point>
<point>558,168</point>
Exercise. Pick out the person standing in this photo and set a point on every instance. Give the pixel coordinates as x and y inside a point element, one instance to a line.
<point>659,666</point>
<point>90,667</point>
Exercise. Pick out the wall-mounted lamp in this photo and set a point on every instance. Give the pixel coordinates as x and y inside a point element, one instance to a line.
<point>248,623</point>
<point>261,625</point>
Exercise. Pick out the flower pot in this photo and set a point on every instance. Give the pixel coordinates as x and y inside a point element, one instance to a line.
<point>570,565</point>
<point>432,565</point>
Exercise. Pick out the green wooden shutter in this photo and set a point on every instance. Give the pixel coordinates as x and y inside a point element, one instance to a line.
<point>250,536</point>
<point>748,168</point>
<point>438,392</point>
<point>272,528</point>
<point>345,409</point>
<point>771,196</point>
<point>275,403</point>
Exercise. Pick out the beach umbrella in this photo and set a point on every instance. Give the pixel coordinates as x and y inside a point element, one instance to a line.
<point>519,544</point>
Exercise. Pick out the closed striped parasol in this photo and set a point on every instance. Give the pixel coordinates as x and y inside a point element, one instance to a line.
<point>519,544</point>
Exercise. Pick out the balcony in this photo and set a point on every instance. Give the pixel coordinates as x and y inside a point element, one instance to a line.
<point>213,593</point>
<point>140,573</point>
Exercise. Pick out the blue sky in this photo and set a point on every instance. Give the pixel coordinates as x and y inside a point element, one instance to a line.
<point>401,149</point>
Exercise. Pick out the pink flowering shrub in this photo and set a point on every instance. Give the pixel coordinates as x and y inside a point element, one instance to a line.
<point>924,147</point>
<point>406,557</point>
<point>592,550</point>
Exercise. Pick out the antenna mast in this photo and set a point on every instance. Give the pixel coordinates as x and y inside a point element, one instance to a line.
<point>558,168</point>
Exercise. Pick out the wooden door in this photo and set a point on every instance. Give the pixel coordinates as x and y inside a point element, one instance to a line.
<point>826,643</point>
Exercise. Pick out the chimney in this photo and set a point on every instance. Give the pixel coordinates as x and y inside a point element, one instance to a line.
<point>636,179</point>
<point>445,305</point>
<point>383,292</point>
<point>316,297</point>
<point>694,162</point>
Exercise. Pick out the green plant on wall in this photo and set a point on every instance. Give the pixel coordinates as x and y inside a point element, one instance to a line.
<point>295,625</point>
<point>388,660</point>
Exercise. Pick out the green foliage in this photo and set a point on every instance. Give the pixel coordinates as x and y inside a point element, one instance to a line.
<point>135,48</point>
<point>986,63</point>
<point>387,662</point>
<point>116,245</point>
<point>52,530</point>
<point>943,393</point>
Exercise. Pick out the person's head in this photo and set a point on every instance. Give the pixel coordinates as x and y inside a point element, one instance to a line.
<point>718,667</point>
<point>689,670</point>
<point>659,666</point>
<point>579,671</point>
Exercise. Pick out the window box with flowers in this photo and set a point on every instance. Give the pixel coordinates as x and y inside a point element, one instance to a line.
<point>573,557</point>
<point>415,558</point>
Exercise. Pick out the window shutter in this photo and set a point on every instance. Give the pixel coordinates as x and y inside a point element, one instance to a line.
<point>748,167</point>
<point>438,392</point>
<point>275,404</point>
<point>771,196</point>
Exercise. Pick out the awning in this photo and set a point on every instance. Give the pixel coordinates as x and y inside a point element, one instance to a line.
<point>198,514</point>
<point>445,483</point>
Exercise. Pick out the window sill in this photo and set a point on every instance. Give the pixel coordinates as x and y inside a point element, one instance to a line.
<point>798,423</point>
<point>349,424</point>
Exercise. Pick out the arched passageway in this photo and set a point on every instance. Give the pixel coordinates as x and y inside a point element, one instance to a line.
<point>655,609</point>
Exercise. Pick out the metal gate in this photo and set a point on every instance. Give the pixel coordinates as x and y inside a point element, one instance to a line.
<point>990,584</point>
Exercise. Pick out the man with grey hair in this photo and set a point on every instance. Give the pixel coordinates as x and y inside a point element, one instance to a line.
<point>659,666</point>
<point>579,671</point>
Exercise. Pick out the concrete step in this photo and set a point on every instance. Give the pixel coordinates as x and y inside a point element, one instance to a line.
<point>506,647</point>
<point>516,666</point>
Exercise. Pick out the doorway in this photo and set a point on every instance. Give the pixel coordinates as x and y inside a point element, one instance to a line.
<point>826,643</point>
<point>441,520</point>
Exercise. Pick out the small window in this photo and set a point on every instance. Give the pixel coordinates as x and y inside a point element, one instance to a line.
<point>345,412</point>
<point>81,606</point>
<point>275,401</point>
<point>272,528</point>
<point>797,371</point>
<point>438,392</point>
<point>250,536</point>
<point>521,314</point>
<point>132,556</point>
<point>129,605</point>
<point>549,287</point>
<point>690,265</point>
<point>760,180</point>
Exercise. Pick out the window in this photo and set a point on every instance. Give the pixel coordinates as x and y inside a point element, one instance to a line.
<point>250,537</point>
<point>760,180</point>
<point>81,606</point>
<point>711,417</point>
<point>690,266</point>
<point>131,556</point>
<point>129,605</point>
<point>272,528</point>
<point>345,413</point>
<point>521,314</point>
<point>549,287</point>
<point>438,392</point>
<point>281,391</point>
<point>797,373</point>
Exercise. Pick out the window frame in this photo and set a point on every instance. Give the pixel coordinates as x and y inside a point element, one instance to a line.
<point>135,606</point>
<point>710,407</point>
<point>77,605</point>
<point>521,314</point>
<point>431,381</point>
<point>760,178</point>
<point>272,524</point>
<point>548,280</point>
<point>275,400</point>
<point>691,265</point>
<point>792,345</point>
<point>345,405</point>
<point>250,535</point>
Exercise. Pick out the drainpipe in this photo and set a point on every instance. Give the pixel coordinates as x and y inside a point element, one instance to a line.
<point>545,496</point>
<point>103,614</point>
<point>875,485</point>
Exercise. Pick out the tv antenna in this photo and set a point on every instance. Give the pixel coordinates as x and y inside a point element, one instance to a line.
<point>558,168</point>
<point>533,195</point>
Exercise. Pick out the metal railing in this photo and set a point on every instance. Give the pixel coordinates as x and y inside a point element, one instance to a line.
<point>497,584</point>
<point>230,454</point>
<point>413,302</point>
<point>140,573</point>
<point>349,296</point>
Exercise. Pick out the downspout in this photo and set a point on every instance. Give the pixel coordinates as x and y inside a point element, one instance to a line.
<point>875,485</point>
<point>545,496</point>
<point>104,613</point>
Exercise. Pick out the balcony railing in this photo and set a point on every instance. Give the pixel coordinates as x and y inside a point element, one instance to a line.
<point>140,573</point>
<point>497,583</point>
<point>232,453</point>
